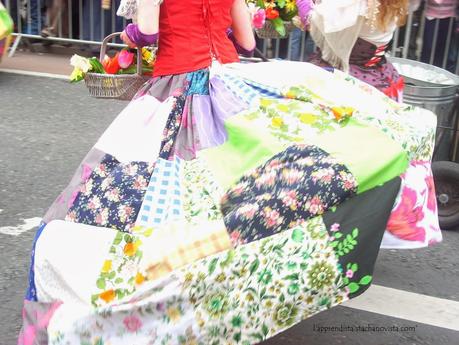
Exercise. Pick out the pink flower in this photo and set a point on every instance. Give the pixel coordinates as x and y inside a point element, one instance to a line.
<point>132,323</point>
<point>272,218</point>
<point>349,273</point>
<point>125,58</point>
<point>334,227</point>
<point>259,19</point>
<point>85,172</point>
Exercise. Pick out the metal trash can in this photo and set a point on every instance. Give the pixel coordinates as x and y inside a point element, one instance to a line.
<point>440,98</point>
<point>438,93</point>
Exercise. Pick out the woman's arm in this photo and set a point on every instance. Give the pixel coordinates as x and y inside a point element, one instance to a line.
<point>145,32</point>
<point>242,26</point>
<point>148,16</point>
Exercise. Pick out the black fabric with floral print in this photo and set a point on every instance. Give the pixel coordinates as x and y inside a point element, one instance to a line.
<point>112,195</point>
<point>299,183</point>
<point>356,229</point>
<point>172,128</point>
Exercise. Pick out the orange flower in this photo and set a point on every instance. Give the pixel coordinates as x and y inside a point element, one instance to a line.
<point>130,249</point>
<point>272,13</point>
<point>108,295</point>
<point>139,278</point>
<point>341,113</point>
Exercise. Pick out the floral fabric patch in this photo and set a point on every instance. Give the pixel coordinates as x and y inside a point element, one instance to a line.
<point>112,195</point>
<point>295,185</point>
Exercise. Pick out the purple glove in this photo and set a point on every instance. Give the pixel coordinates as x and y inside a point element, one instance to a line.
<point>138,38</point>
<point>304,9</point>
<point>240,50</point>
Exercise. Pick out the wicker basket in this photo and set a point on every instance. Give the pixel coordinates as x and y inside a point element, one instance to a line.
<point>117,86</point>
<point>268,31</point>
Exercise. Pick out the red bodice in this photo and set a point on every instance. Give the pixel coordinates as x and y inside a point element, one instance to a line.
<point>191,33</point>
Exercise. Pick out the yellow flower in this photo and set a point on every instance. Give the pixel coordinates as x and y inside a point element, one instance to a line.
<point>308,118</point>
<point>173,314</point>
<point>290,5</point>
<point>282,107</point>
<point>277,122</point>
<point>264,102</point>
<point>76,75</point>
<point>107,266</point>
<point>139,278</point>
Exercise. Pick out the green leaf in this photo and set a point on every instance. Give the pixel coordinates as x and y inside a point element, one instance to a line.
<point>353,287</point>
<point>118,280</point>
<point>294,276</point>
<point>349,237</point>
<point>229,258</point>
<point>100,283</point>
<point>237,337</point>
<point>96,65</point>
<point>265,330</point>
<point>297,235</point>
<point>213,265</point>
<point>127,238</point>
<point>278,24</point>
<point>338,235</point>
<point>262,292</point>
<point>354,267</point>
<point>365,280</point>
<point>281,3</point>
<point>112,275</point>
<point>346,250</point>
<point>334,244</point>
<point>118,238</point>
<point>258,336</point>
<point>355,233</point>
<point>254,266</point>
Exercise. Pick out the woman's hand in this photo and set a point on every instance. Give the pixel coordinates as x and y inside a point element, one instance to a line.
<point>126,40</point>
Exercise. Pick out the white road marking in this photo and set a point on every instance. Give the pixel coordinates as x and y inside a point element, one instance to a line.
<point>29,224</point>
<point>408,306</point>
<point>35,74</point>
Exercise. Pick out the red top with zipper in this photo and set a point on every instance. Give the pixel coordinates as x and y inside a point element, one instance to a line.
<point>191,33</point>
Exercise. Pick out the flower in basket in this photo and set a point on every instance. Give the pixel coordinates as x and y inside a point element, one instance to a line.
<point>123,62</point>
<point>257,14</point>
<point>111,65</point>
<point>82,66</point>
<point>276,12</point>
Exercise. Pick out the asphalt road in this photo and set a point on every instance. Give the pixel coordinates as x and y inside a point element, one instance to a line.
<point>48,125</point>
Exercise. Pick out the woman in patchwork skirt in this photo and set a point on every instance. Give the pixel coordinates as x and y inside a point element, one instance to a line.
<point>228,201</point>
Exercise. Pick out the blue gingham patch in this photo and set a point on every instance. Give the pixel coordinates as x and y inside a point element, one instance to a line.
<point>248,91</point>
<point>162,200</point>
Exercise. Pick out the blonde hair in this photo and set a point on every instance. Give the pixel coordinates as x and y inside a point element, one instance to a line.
<point>391,10</point>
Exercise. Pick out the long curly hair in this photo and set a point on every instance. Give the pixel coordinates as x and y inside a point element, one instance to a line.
<point>390,10</point>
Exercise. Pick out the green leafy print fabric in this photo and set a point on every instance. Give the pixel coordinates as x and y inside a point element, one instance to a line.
<point>262,288</point>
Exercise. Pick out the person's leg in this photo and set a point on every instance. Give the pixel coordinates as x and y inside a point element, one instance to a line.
<point>310,47</point>
<point>295,45</point>
<point>33,13</point>
<point>453,49</point>
<point>427,40</point>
